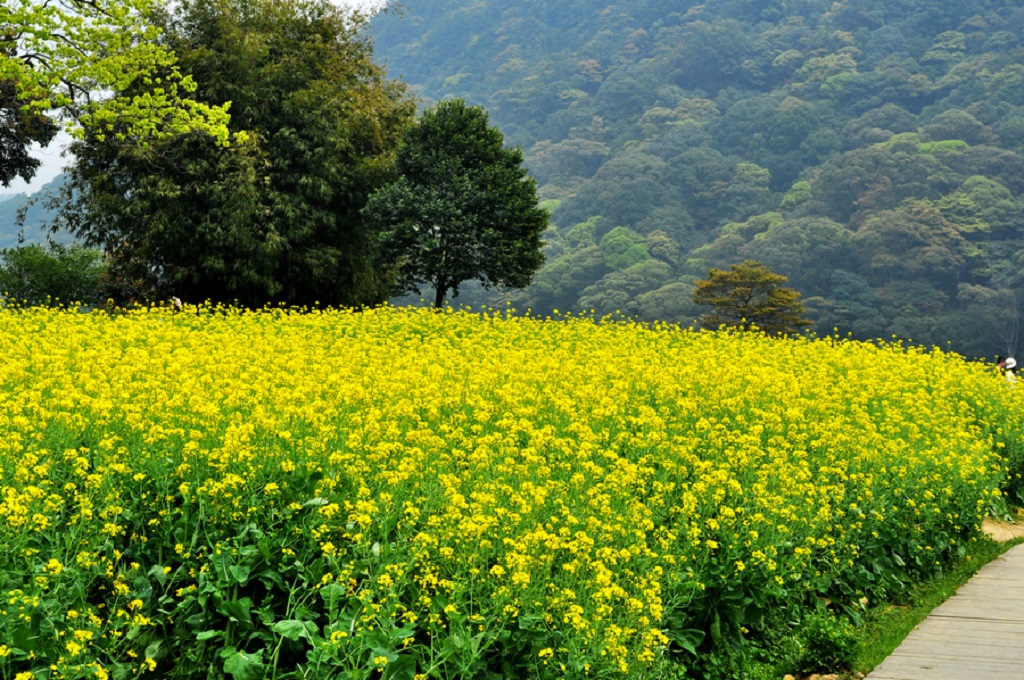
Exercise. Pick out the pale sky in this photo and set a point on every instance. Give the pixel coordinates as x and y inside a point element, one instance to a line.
<point>53,163</point>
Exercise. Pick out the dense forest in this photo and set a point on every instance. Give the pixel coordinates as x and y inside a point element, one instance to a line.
<point>871,151</point>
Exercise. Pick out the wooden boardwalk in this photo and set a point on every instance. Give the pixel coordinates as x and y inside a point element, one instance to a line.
<point>978,634</point>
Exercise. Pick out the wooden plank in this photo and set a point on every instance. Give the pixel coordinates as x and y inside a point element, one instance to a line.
<point>1009,586</point>
<point>945,649</point>
<point>977,639</point>
<point>923,668</point>
<point>986,610</point>
<point>981,628</point>
<point>976,634</point>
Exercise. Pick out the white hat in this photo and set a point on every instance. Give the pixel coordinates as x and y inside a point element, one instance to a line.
<point>1010,363</point>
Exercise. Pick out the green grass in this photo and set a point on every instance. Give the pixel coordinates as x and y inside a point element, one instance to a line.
<point>886,626</point>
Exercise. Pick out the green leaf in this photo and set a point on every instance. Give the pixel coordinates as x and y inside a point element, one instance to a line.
<point>332,594</point>
<point>243,666</point>
<point>716,630</point>
<point>154,649</point>
<point>688,639</point>
<point>402,668</point>
<point>157,572</point>
<point>529,622</point>
<point>237,610</point>
<point>240,572</point>
<point>207,634</point>
<point>293,629</point>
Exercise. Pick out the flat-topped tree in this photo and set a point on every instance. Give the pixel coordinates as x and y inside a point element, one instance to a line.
<point>750,295</point>
<point>463,207</point>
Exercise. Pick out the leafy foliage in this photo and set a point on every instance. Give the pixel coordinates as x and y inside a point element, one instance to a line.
<point>829,643</point>
<point>274,216</point>
<point>749,295</point>
<point>70,56</point>
<point>20,127</point>
<point>51,275</point>
<point>463,207</point>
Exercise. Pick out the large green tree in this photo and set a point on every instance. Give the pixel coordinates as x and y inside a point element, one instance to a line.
<point>463,207</point>
<point>749,295</point>
<point>275,216</point>
<point>75,59</point>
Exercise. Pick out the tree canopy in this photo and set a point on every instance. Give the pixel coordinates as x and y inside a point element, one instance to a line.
<point>748,296</point>
<point>20,127</point>
<point>51,275</point>
<point>79,58</point>
<point>274,216</point>
<point>463,207</point>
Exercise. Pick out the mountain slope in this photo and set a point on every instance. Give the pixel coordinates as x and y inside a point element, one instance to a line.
<point>32,229</point>
<point>870,151</point>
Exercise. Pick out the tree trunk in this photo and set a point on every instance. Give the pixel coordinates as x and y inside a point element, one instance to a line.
<point>441,288</point>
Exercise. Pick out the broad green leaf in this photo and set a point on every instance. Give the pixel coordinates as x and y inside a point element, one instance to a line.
<point>243,666</point>
<point>293,629</point>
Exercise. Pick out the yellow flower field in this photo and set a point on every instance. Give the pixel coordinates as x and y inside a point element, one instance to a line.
<point>403,494</point>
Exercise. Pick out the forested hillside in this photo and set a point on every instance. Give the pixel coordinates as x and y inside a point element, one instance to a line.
<point>872,151</point>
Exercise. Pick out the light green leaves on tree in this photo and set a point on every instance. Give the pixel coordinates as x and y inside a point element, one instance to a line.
<point>71,56</point>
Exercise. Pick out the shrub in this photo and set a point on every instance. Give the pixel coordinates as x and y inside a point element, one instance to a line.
<point>829,643</point>
<point>52,275</point>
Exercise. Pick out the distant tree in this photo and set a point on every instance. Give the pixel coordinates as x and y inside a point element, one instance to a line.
<point>463,207</point>
<point>51,275</point>
<point>957,124</point>
<point>864,181</point>
<point>624,190</point>
<point>851,307</point>
<point>807,249</point>
<point>877,125</point>
<point>913,242</point>
<point>673,303</point>
<point>623,248</point>
<point>618,291</point>
<point>750,295</point>
<point>561,281</point>
<point>987,320</point>
<point>662,247</point>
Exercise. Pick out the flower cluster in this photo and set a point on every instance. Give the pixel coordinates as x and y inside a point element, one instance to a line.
<point>449,494</point>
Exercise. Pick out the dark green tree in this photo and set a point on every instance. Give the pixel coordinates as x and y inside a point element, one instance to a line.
<point>463,207</point>
<point>274,217</point>
<point>51,275</point>
<point>750,295</point>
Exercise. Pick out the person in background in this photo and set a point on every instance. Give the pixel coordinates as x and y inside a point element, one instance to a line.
<point>1007,365</point>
